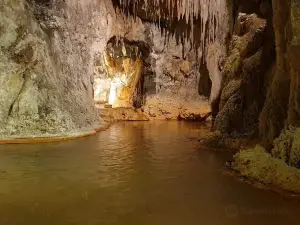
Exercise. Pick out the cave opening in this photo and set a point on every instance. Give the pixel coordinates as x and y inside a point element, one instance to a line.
<point>120,83</point>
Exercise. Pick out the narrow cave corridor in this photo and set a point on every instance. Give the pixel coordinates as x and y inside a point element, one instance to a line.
<point>173,112</point>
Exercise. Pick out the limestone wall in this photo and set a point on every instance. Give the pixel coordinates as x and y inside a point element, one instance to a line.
<point>172,90</point>
<point>45,73</point>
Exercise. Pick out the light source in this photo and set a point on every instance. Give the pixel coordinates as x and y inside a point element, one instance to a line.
<point>116,83</point>
<point>112,94</point>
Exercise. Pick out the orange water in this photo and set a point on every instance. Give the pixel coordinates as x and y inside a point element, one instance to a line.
<point>135,173</point>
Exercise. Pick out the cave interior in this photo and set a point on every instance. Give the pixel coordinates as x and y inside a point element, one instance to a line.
<point>72,68</point>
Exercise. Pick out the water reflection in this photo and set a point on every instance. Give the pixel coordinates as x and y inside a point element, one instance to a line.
<point>133,173</point>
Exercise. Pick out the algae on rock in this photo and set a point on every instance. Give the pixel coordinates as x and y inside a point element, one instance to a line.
<point>259,165</point>
<point>280,168</point>
<point>287,147</point>
<point>243,77</point>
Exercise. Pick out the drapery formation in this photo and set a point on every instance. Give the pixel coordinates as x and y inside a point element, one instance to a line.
<point>201,19</point>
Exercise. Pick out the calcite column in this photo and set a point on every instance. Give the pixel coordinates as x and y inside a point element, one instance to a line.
<point>294,54</point>
<point>274,114</point>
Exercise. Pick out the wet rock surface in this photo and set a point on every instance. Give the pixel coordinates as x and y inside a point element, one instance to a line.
<point>287,147</point>
<point>277,163</point>
<point>242,98</point>
<point>258,164</point>
<point>46,87</point>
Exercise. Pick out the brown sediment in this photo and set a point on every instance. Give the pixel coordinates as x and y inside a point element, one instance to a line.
<point>34,140</point>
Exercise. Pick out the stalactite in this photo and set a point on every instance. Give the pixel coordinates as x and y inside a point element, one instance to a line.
<point>210,13</point>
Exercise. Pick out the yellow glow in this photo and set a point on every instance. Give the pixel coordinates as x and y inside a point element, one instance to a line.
<point>116,83</point>
<point>112,94</point>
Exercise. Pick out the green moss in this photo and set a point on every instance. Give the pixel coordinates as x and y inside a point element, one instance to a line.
<point>212,139</point>
<point>283,145</point>
<point>229,90</point>
<point>232,65</point>
<point>287,147</point>
<point>295,150</point>
<point>241,44</point>
<point>258,164</point>
<point>280,168</point>
<point>217,140</point>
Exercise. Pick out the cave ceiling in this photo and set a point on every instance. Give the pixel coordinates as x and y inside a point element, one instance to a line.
<point>191,22</point>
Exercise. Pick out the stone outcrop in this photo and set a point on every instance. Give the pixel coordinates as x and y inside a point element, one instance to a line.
<point>246,71</point>
<point>272,118</point>
<point>47,50</point>
<point>261,166</point>
<point>287,147</point>
<point>38,95</point>
<point>294,52</point>
<point>279,168</point>
<point>282,104</point>
<point>277,163</point>
<point>243,73</point>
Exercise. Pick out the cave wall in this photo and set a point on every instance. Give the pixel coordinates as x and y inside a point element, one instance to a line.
<point>51,59</point>
<point>281,109</point>
<point>172,76</point>
<point>170,72</point>
<point>46,64</point>
<point>260,73</point>
<point>172,88</point>
<point>274,114</point>
<point>246,69</point>
<point>294,53</point>
<point>278,161</point>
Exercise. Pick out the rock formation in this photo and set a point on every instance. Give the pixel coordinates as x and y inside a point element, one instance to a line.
<point>46,85</point>
<point>50,60</point>
<point>47,55</point>
<point>275,163</point>
<point>259,81</point>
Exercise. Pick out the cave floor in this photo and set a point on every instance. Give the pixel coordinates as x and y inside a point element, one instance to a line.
<point>132,173</point>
